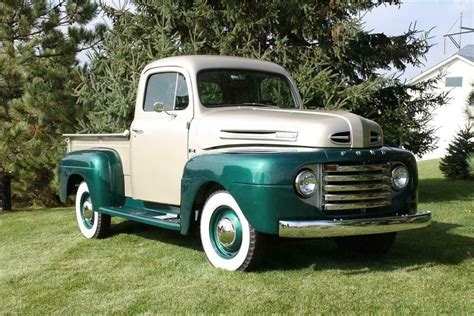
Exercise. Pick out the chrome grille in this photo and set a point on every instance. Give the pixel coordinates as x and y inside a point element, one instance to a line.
<point>355,187</point>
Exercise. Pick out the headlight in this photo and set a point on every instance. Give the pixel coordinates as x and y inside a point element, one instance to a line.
<point>305,183</point>
<point>399,177</point>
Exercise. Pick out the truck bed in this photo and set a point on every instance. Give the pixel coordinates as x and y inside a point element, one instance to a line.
<point>118,142</point>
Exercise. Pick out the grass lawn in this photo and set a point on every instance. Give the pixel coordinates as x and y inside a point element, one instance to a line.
<point>47,267</point>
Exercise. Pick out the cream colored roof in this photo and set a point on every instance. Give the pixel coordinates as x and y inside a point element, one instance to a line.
<point>195,63</point>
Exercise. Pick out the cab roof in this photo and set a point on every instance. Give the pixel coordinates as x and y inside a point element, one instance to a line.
<point>195,63</point>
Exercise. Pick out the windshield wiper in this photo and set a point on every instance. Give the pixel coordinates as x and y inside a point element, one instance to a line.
<point>258,104</point>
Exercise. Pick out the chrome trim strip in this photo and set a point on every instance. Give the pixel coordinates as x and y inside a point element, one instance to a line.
<point>362,177</point>
<point>125,134</point>
<point>352,227</point>
<point>341,137</point>
<point>356,197</point>
<point>357,168</point>
<point>353,206</point>
<point>355,187</point>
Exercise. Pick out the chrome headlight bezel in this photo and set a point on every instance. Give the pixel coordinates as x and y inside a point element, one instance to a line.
<point>306,177</point>
<point>400,177</point>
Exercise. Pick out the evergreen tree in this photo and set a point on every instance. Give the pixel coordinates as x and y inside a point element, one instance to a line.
<point>470,100</point>
<point>39,41</point>
<point>335,62</point>
<point>470,108</point>
<point>455,165</point>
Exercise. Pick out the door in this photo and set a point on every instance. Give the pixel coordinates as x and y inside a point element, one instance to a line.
<point>159,140</point>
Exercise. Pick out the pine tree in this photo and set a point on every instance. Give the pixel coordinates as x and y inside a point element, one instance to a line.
<point>470,108</point>
<point>470,100</point>
<point>455,165</point>
<point>323,44</point>
<point>38,75</point>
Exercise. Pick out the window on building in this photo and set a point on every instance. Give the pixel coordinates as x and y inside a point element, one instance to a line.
<point>453,82</point>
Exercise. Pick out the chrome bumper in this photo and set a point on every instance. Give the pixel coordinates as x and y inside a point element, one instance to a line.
<point>352,227</point>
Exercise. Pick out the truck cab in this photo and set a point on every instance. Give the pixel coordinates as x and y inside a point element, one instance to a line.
<point>223,145</point>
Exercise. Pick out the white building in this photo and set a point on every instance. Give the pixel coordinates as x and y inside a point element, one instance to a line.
<point>458,79</point>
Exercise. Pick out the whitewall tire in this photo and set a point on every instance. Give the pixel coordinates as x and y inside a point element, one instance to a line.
<point>92,224</point>
<point>229,240</point>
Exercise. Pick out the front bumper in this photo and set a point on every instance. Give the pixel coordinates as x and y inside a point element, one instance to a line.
<point>352,227</point>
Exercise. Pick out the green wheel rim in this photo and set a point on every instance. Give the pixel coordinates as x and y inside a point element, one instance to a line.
<point>87,214</point>
<point>231,247</point>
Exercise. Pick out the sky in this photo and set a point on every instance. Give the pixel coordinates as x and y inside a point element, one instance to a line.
<point>439,15</point>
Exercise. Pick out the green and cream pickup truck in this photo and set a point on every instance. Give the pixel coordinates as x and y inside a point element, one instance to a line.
<point>223,146</point>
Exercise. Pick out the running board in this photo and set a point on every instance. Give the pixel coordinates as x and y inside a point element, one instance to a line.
<point>145,216</point>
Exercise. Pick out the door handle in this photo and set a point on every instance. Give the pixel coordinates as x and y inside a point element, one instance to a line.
<point>138,131</point>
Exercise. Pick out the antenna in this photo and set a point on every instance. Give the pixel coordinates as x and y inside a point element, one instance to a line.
<point>462,30</point>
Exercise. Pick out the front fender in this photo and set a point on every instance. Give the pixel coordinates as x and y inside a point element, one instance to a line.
<point>262,183</point>
<point>231,169</point>
<point>101,169</point>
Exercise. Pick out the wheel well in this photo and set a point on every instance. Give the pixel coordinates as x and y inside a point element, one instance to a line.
<point>73,184</point>
<point>201,197</point>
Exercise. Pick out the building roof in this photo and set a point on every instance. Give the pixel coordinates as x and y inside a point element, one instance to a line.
<point>467,52</point>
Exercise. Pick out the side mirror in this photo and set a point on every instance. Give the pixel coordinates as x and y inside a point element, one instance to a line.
<point>159,107</point>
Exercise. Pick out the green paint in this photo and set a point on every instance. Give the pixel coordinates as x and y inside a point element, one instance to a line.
<point>262,183</point>
<point>145,212</point>
<point>102,171</point>
<point>151,206</point>
<point>141,215</point>
<point>87,215</point>
<point>222,250</point>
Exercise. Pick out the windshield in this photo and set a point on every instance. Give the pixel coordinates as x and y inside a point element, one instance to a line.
<point>236,87</point>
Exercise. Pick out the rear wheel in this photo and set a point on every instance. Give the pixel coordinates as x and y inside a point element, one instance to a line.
<point>228,239</point>
<point>92,224</point>
<point>377,244</point>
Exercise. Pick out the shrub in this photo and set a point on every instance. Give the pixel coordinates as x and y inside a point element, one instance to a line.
<point>455,165</point>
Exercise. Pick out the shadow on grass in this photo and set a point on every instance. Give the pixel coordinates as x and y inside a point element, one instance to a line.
<point>412,250</point>
<point>439,190</point>
<point>156,233</point>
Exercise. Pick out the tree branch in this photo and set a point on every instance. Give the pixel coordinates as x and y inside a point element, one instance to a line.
<point>83,48</point>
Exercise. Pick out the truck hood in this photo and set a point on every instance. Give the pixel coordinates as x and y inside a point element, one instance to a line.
<point>253,126</point>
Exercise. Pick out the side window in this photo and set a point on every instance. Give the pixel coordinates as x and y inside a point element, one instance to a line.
<point>182,97</point>
<point>167,88</point>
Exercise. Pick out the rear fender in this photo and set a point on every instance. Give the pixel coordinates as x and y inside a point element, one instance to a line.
<point>101,169</point>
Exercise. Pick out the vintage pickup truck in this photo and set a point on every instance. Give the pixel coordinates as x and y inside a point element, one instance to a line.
<point>223,146</point>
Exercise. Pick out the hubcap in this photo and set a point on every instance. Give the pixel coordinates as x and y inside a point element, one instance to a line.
<point>87,213</point>
<point>225,231</point>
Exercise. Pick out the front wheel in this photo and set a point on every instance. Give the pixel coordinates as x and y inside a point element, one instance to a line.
<point>228,239</point>
<point>377,244</point>
<point>92,224</point>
